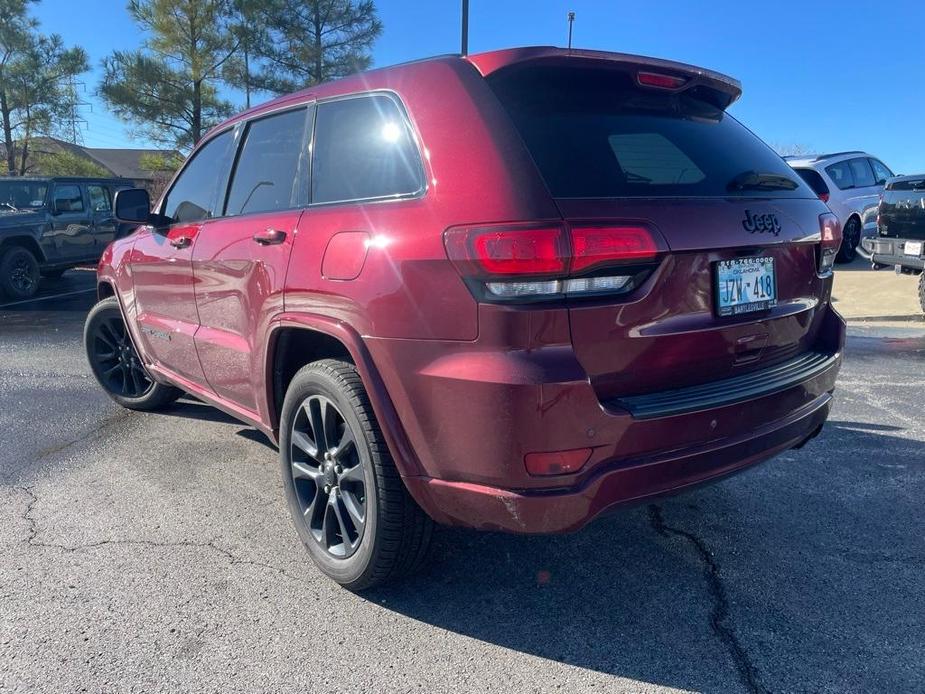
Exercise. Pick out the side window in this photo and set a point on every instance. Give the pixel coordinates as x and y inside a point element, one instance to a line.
<point>193,196</point>
<point>363,148</point>
<point>863,176</point>
<point>271,165</point>
<point>841,175</point>
<point>68,199</point>
<point>99,199</point>
<point>881,172</point>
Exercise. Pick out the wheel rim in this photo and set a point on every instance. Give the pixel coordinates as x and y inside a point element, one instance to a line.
<point>116,361</point>
<point>21,275</point>
<point>329,479</point>
<point>852,239</point>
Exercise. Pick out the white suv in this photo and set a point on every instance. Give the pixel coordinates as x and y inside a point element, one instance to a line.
<point>850,183</point>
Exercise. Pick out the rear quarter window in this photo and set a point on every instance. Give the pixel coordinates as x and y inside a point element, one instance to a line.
<point>364,150</point>
<point>594,133</point>
<point>841,175</point>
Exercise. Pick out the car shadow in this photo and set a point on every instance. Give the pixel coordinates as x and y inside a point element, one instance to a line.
<point>189,407</point>
<point>644,593</point>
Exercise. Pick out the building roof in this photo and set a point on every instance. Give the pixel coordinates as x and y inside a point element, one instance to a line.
<point>120,163</point>
<point>126,163</point>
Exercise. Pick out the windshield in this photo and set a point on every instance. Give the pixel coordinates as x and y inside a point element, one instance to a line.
<point>594,133</point>
<point>22,195</point>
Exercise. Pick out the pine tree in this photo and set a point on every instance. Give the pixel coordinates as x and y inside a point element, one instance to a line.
<point>35,75</point>
<point>169,88</point>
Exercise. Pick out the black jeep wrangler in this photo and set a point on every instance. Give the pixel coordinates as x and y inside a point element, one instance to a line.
<point>48,225</point>
<point>900,240</point>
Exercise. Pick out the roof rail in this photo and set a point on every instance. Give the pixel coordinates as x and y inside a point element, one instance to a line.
<point>820,157</point>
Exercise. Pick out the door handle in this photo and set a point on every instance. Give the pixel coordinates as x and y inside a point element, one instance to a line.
<point>269,237</point>
<point>181,241</point>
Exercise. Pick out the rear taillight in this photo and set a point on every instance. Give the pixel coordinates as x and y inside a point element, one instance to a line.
<point>830,232</point>
<point>824,197</point>
<point>540,262</point>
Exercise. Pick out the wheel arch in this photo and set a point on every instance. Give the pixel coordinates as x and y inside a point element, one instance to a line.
<point>104,290</point>
<point>297,340</point>
<point>27,242</point>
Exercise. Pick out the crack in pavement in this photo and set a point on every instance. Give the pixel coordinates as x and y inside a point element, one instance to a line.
<point>32,541</point>
<point>748,673</point>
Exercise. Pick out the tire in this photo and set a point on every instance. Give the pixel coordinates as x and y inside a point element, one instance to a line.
<point>922,291</point>
<point>348,489</point>
<point>115,363</point>
<point>19,273</point>
<point>53,274</point>
<point>851,237</point>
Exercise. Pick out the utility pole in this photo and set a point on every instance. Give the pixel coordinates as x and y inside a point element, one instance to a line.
<point>74,122</point>
<point>571,20</point>
<point>464,38</point>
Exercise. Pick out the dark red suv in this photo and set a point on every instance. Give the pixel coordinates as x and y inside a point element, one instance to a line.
<point>509,291</point>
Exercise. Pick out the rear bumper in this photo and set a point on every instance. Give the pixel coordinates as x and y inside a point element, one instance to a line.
<point>471,412</point>
<point>567,510</point>
<point>890,251</point>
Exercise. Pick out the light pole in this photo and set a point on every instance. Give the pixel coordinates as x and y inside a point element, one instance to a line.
<point>464,38</point>
<point>571,20</point>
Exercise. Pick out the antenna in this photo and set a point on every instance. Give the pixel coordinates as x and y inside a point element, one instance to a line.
<point>571,20</point>
<point>464,38</point>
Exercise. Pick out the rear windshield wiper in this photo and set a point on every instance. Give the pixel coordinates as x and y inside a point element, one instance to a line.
<point>757,180</point>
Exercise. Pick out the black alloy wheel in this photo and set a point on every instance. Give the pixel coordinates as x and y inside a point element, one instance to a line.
<point>328,476</point>
<point>19,273</point>
<point>851,237</point>
<point>114,359</point>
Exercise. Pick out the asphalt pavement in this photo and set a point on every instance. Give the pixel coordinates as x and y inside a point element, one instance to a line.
<point>153,553</point>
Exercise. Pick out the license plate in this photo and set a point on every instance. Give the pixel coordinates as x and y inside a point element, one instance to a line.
<point>913,248</point>
<point>744,285</point>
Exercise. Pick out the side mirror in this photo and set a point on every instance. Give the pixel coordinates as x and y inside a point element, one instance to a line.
<point>133,205</point>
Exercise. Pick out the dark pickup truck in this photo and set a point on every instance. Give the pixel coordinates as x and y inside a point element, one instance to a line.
<point>900,239</point>
<point>48,225</point>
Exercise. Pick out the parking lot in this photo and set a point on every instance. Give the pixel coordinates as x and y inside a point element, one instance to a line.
<point>153,552</point>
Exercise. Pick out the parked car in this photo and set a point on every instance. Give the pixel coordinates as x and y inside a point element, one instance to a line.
<point>900,242</point>
<point>48,225</point>
<point>509,291</point>
<point>850,183</point>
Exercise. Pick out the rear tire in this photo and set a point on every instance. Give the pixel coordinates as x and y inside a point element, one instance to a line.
<point>347,500</point>
<point>115,363</point>
<point>19,273</point>
<point>851,237</point>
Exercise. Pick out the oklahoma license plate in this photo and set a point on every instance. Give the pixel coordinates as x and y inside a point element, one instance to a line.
<point>744,285</point>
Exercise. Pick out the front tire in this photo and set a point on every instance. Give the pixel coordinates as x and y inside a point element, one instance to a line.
<point>19,273</point>
<point>348,503</point>
<point>851,237</point>
<point>116,364</point>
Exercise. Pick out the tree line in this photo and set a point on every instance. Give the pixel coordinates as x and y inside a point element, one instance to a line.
<point>174,87</point>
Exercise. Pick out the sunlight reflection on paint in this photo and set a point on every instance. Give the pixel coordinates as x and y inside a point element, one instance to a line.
<point>378,241</point>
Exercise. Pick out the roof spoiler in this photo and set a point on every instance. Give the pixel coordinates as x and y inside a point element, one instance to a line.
<point>723,90</point>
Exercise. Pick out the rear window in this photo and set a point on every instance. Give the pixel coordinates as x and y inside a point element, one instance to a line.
<point>594,133</point>
<point>814,180</point>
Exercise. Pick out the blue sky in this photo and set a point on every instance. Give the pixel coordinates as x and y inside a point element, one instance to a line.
<point>824,75</point>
